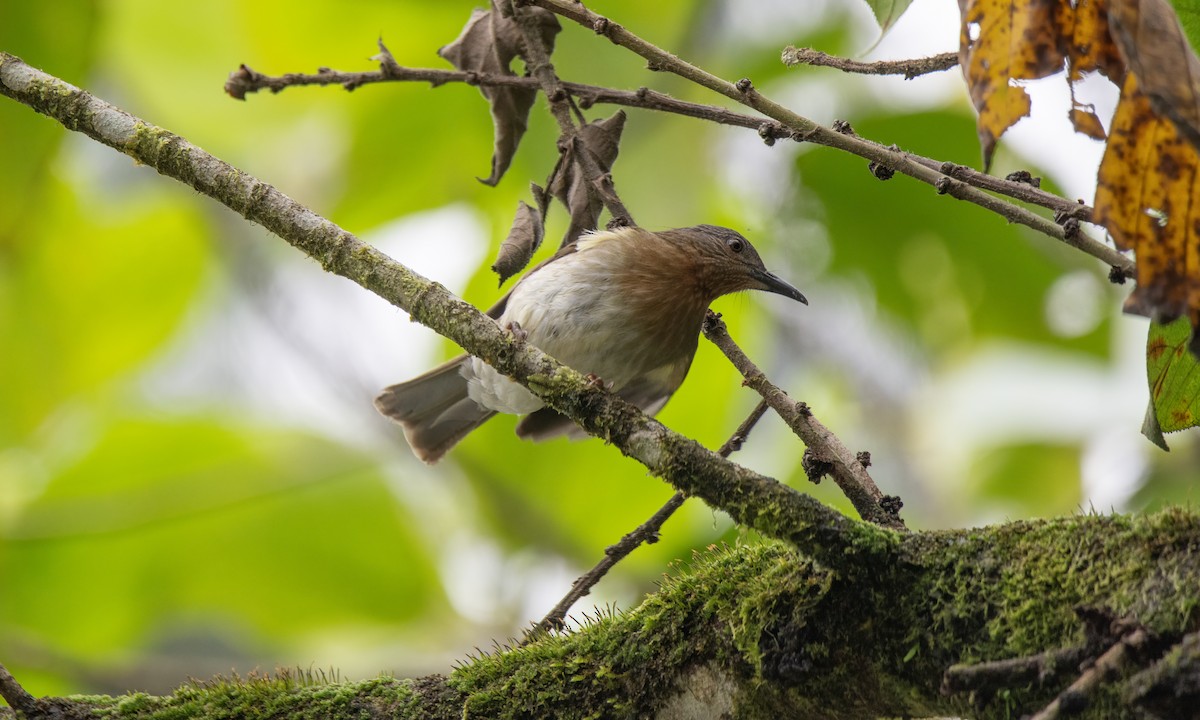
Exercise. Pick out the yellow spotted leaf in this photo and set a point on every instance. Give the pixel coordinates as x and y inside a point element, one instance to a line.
<point>1090,46</point>
<point>1003,42</point>
<point>1148,198</point>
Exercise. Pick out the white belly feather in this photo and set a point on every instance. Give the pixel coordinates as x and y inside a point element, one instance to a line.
<point>571,309</point>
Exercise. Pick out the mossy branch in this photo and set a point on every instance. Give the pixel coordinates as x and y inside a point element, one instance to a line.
<point>763,632</point>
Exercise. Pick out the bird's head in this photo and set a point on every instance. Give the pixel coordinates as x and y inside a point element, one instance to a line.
<point>726,262</point>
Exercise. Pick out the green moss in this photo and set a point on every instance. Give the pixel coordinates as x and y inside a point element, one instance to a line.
<point>784,634</point>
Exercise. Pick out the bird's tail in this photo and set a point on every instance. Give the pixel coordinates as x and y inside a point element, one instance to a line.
<point>434,409</point>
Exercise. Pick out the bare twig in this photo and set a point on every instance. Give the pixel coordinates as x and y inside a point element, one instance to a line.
<point>908,68</point>
<point>537,61</point>
<point>16,696</point>
<point>1108,667</point>
<point>244,81</point>
<point>989,677</point>
<point>647,532</point>
<point>847,469</point>
<point>743,91</point>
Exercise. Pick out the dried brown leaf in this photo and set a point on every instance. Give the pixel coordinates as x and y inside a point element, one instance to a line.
<point>569,182</point>
<point>522,242</point>
<point>1085,121</point>
<point>1155,47</point>
<point>488,44</point>
<point>1003,41</point>
<point>1148,198</point>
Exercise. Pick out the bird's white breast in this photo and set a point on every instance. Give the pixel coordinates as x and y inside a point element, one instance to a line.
<point>573,309</point>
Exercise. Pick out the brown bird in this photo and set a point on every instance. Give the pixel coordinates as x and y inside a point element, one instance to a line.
<point>626,305</point>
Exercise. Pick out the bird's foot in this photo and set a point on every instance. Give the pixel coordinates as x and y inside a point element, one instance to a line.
<point>519,334</point>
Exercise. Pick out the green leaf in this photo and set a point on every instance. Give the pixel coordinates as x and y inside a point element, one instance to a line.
<point>1189,17</point>
<point>887,12</point>
<point>1174,379</point>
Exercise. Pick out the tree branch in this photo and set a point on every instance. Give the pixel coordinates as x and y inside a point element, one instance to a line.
<point>910,69</point>
<point>743,92</point>
<point>245,80</point>
<point>647,532</point>
<point>848,471</point>
<point>15,695</point>
<point>759,630</point>
<point>751,499</point>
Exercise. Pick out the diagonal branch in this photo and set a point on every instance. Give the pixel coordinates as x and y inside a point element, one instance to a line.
<point>848,471</point>
<point>647,533</point>
<point>751,499</point>
<point>743,91</point>
<point>244,81</point>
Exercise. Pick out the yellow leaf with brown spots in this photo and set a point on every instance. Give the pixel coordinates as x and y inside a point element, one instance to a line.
<point>1148,198</point>
<point>1090,46</point>
<point>1002,42</point>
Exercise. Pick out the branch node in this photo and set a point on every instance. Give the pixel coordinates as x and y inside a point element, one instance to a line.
<point>1070,228</point>
<point>601,26</point>
<point>1024,177</point>
<point>815,467</point>
<point>943,185</point>
<point>843,127</point>
<point>1116,275</point>
<point>864,458</point>
<point>880,171</point>
<point>744,85</point>
<point>891,504</point>
<point>767,131</point>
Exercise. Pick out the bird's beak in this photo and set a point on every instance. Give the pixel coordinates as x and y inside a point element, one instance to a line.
<point>773,283</point>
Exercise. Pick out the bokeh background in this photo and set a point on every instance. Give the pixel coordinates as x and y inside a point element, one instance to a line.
<point>193,479</point>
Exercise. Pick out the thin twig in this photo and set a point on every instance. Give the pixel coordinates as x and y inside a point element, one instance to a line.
<point>16,696</point>
<point>989,677</point>
<point>743,91</point>
<point>244,81</point>
<point>848,471</point>
<point>910,69</point>
<point>647,533</point>
<point>538,64</point>
<point>1107,668</point>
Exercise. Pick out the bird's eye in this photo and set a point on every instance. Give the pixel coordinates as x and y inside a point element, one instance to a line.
<point>737,245</point>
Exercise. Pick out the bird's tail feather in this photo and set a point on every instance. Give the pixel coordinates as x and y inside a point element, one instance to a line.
<point>434,409</point>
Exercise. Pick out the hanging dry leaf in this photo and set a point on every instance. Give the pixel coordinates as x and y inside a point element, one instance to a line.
<point>1146,198</point>
<point>1155,48</point>
<point>488,44</point>
<point>1087,122</point>
<point>1003,41</point>
<point>522,242</point>
<point>569,183</point>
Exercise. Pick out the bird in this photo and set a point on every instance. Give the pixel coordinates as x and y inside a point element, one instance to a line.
<point>624,305</point>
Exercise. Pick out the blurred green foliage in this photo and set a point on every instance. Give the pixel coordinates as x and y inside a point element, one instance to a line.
<point>144,539</point>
